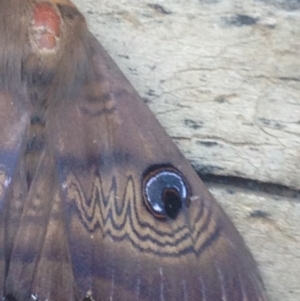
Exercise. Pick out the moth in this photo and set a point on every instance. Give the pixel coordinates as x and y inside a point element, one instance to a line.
<point>97,203</point>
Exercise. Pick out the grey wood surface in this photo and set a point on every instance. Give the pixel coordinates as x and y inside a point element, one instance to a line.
<point>223,78</point>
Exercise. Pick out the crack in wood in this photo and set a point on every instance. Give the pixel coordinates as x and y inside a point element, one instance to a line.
<point>252,185</point>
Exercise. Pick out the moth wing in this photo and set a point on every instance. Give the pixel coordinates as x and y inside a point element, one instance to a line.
<point>106,144</point>
<point>14,122</point>
<point>39,267</point>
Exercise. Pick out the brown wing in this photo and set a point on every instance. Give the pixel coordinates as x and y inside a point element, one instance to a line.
<point>126,189</point>
<point>40,266</point>
<point>14,122</point>
<point>13,125</point>
<point>114,211</point>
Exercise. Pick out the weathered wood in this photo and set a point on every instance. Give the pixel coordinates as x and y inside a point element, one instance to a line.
<point>270,225</point>
<point>223,77</point>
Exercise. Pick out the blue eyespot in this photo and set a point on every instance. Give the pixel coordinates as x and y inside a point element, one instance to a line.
<point>165,191</point>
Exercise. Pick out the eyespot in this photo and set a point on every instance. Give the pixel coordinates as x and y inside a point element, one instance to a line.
<point>165,191</point>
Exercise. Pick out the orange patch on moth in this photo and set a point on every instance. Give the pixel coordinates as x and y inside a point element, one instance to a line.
<point>46,24</point>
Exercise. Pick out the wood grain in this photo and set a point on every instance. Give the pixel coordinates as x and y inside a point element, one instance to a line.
<point>221,76</point>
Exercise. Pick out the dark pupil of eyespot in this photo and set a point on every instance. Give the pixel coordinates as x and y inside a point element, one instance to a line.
<point>172,202</point>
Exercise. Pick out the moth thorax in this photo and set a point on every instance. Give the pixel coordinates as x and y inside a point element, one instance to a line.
<point>45,35</point>
<point>46,27</point>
